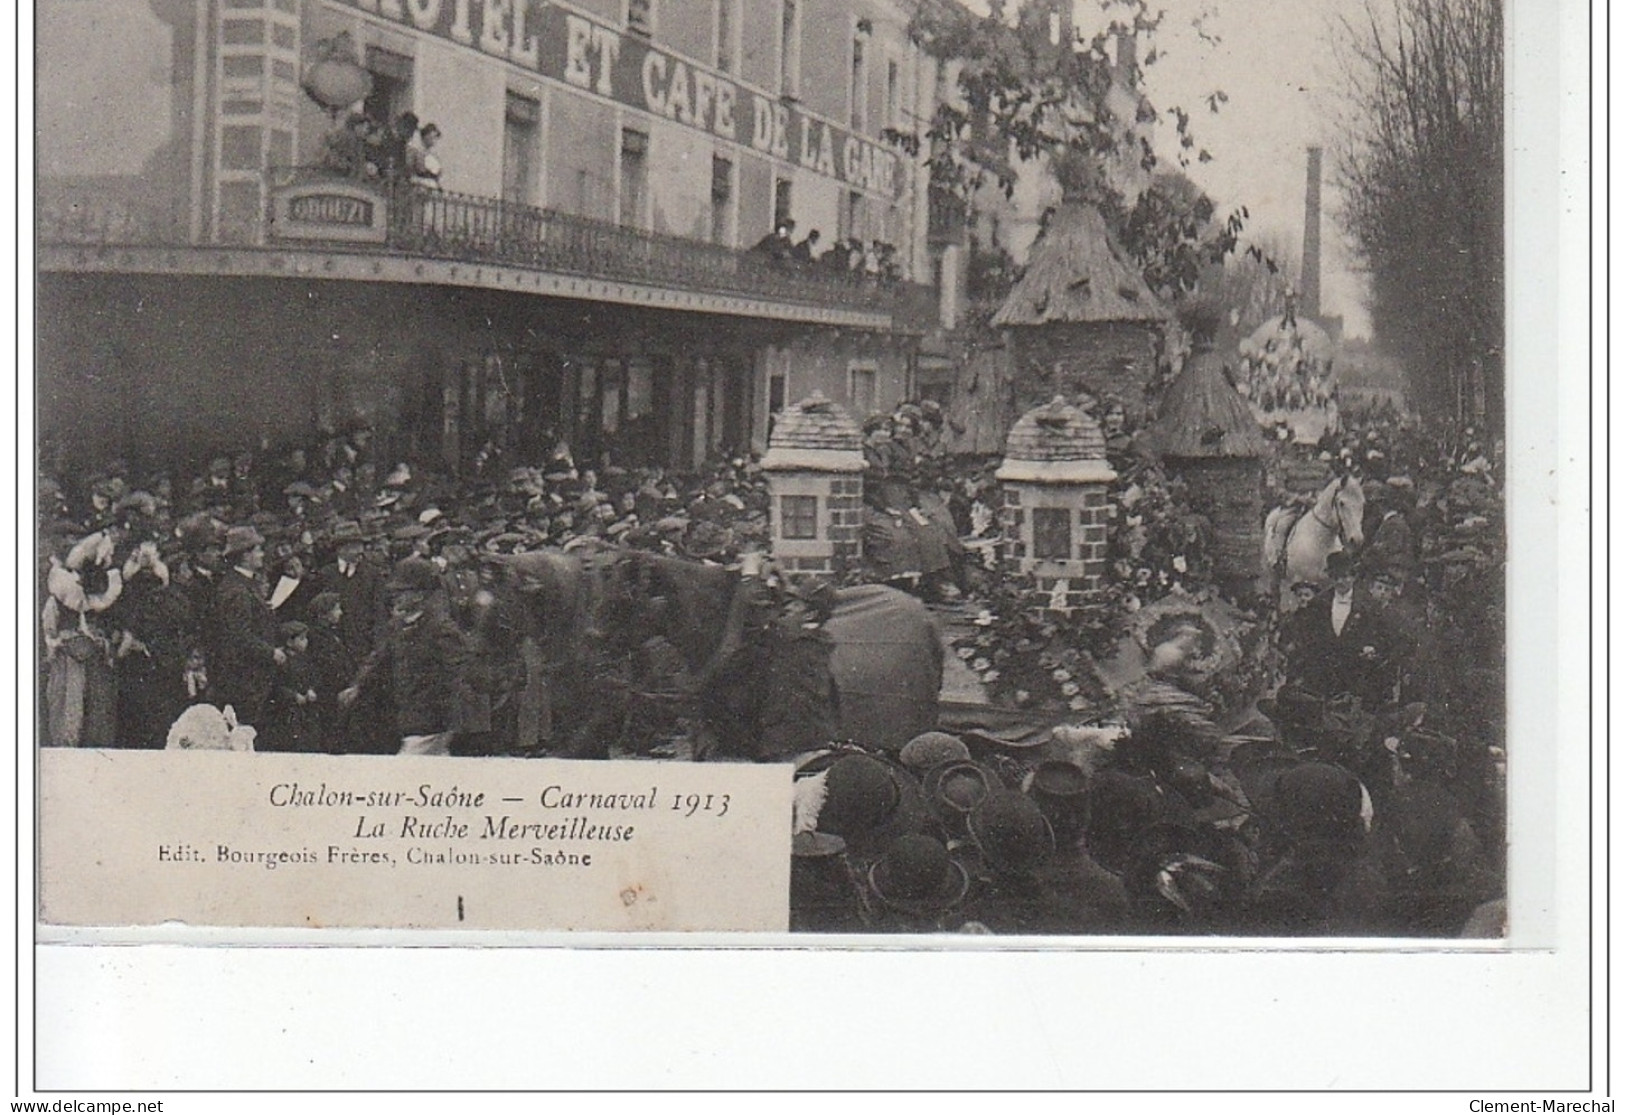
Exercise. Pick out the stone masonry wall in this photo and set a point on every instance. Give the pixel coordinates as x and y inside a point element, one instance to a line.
<point>1115,358</point>
<point>840,499</point>
<point>1086,569</point>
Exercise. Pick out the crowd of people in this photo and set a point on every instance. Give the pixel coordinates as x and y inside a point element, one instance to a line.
<point>877,261</point>
<point>1163,824</point>
<point>338,602</point>
<point>274,586</point>
<point>402,150</point>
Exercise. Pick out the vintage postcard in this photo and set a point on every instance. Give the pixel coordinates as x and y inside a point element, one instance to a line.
<point>1026,469</point>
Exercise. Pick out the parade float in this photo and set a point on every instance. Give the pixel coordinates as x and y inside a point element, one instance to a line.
<point>1287,377</point>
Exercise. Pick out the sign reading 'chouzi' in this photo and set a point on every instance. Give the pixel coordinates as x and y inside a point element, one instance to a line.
<point>592,56</point>
<point>328,211</point>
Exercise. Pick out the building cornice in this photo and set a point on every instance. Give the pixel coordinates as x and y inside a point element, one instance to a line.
<point>343,266</point>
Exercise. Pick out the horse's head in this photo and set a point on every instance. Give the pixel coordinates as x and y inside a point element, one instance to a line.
<point>1342,505</point>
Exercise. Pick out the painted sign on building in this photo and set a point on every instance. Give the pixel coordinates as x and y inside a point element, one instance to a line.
<point>328,211</point>
<point>592,56</point>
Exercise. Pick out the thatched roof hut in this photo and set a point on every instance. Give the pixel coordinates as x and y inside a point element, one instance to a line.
<point>1078,273</point>
<point>1081,320</point>
<point>1207,435</point>
<point>1203,416</point>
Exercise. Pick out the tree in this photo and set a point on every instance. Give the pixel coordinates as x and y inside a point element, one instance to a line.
<point>1029,88</point>
<point>1422,175</point>
<point>1253,285</point>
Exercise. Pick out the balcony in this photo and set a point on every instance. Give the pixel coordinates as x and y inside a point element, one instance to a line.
<point>312,211</point>
<point>442,225</point>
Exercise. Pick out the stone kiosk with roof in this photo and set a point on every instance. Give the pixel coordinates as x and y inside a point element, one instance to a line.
<point>1054,478</point>
<point>814,469</point>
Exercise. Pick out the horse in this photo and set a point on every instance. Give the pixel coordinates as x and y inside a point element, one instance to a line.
<point>1296,543</point>
<point>885,657</point>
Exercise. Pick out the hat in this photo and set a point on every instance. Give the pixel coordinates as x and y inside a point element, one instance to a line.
<point>1121,806</point>
<point>1465,555</point>
<point>930,749</point>
<point>1011,832</point>
<point>954,789</point>
<point>242,539</point>
<point>870,803</point>
<point>199,531</point>
<point>110,488</point>
<point>916,876</point>
<point>414,574</point>
<point>1339,563</point>
<point>861,795</point>
<point>1061,790</point>
<point>142,503</point>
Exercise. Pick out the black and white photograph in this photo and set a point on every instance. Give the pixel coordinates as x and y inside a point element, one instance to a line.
<point>887,390</point>
<point>925,473</point>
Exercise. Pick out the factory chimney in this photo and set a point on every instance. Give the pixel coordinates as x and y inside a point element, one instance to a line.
<point>1127,61</point>
<point>1309,284</point>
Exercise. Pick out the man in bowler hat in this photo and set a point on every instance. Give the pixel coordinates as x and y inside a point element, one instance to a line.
<point>245,656</point>
<point>1342,640</point>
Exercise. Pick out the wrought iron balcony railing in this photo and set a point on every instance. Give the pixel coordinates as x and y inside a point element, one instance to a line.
<point>435,224</point>
<point>445,225</point>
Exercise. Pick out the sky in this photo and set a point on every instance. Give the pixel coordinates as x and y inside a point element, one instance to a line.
<point>1277,62</point>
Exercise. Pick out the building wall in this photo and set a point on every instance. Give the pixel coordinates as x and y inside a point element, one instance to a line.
<point>116,108</point>
<point>146,367</point>
<point>131,113</point>
<point>824,362</point>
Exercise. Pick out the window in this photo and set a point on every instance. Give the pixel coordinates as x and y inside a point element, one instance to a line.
<point>935,380</point>
<point>776,391</point>
<point>852,216</point>
<point>279,151</point>
<point>790,50</point>
<point>519,162</point>
<point>858,90</point>
<point>391,85</point>
<point>634,175</point>
<point>860,388</point>
<point>1052,533</point>
<point>725,35</point>
<point>610,383</point>
<point>800,516</point>
<point>640,388</point>
<point>722,194</point>
<point>240,148</point>
<point>894,95</point>
<point>781,201</point>
<point>640,18</point>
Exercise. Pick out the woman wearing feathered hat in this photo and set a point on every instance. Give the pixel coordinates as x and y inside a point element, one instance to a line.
<point>81,703</point>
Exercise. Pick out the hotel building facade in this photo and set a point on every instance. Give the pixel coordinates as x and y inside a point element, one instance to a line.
<point>584,270</point>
